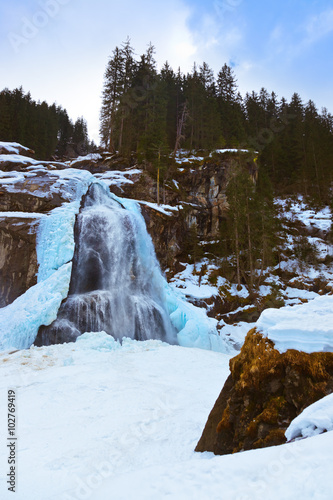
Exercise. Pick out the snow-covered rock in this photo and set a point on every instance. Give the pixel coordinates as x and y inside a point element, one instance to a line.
<point>306,327</point>
<point>14,148</point>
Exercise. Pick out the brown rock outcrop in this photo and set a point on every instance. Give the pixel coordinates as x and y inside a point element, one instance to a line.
<point>265,391</point>
<point>18,259</point>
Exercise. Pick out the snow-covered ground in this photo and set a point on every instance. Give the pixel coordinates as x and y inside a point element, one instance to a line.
<point>96,420</point>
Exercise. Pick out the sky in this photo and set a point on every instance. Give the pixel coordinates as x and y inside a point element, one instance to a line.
<point>58,49</point>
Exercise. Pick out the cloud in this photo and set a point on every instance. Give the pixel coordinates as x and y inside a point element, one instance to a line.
<point>319,26</point>
<point>293,42</point>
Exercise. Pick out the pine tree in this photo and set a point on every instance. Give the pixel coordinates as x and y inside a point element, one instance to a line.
<point>113,89</point>
<point>230,106</point>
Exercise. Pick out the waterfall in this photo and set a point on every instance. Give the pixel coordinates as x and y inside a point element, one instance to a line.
<point>116,283</point>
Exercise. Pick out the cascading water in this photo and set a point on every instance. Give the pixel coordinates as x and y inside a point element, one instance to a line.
<point>115,284</point>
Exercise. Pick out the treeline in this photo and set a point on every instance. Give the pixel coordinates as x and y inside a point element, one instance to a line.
<point>149,112</point>
<point>46,129</point>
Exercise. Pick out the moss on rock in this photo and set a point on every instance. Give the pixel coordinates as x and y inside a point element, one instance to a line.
<point>265,391</point>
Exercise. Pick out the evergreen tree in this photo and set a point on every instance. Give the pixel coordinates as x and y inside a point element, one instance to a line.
<point>80,138</point>
<point>113,88</point>
<point>231,107</point>
<point>45,129</point>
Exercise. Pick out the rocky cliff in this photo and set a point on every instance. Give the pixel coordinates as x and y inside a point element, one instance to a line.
<point>18,259</point>
<point>195,191</point>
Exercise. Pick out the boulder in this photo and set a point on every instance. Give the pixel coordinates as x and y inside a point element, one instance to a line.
<point>265,391</point>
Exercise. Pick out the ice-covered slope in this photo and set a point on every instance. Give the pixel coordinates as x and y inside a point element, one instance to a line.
<point>99,421</point>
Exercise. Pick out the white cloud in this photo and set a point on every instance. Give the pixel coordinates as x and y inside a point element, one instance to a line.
<point>294,43</point>
<point>319,26</point>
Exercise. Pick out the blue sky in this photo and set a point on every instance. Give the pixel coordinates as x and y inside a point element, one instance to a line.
<point>58,49</point>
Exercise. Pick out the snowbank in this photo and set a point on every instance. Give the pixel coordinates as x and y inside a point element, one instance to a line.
<point>315,419</point>
<point>306,327</point>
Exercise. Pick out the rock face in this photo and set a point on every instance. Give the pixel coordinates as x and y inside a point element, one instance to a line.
<point>18,259</point>
<point>167,232</point>
<point>265,391</point>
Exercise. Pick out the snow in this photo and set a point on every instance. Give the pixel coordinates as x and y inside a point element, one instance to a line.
<point>20,320</point>
<point>22,215</point>
<point>322,248</point>
<point>98,421</point>
<point>89,157</point>
<point>164,209</point>
<point>235,333</point>
<point>187,283</point>
<point>184,156</point>
<point>315,419</point>
<point>19,159</point>
<point>189,159</point>
<point>296,295</point>
<point>221,151</point>
<point>70,183</point>
<point>118,177</point>
<point>11,177</point>
<point>305,327</point>
<point>298,209</point>
<point>13,147</point>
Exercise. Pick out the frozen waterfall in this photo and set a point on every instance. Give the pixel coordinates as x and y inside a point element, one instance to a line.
<point>116,283</point>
